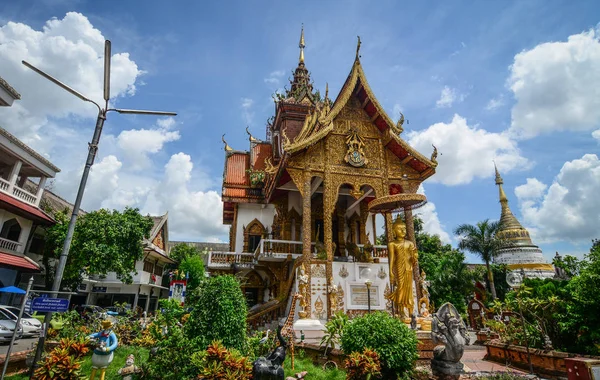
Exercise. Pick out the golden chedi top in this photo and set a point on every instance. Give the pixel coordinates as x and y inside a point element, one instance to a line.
<point>301,45</point>
<point>510,229</point>
<point>301,85</point>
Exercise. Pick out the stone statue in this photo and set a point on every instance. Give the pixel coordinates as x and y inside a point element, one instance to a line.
<point>270,367</point>
<point>103,353</point>
<point>333,296</point>
<point>129,369</point>
<point>402,257</point>
<point>449,330</point>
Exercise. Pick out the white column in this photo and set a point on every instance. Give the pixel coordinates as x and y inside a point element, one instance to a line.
<point>14,174</point>
<point>40,190</point>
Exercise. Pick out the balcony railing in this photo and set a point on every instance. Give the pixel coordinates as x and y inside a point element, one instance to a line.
<point>18,193</point>
<point>4,185</point>
<point>9,245</point>
<point>227,259</point>
<point>380,251</point>
<point>278,248</point>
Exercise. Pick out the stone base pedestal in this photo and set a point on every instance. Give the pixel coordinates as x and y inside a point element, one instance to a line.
<point>312,329</point>
<point>446,370</point>
<point>425,345</point>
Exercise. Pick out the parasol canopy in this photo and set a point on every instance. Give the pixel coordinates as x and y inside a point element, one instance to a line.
<point>12,289</point>
<point>397,202</point>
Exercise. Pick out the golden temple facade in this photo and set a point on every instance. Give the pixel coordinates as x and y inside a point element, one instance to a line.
<point>302,202</point>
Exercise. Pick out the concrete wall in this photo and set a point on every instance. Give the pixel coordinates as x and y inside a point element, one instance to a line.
<point>247,212</point>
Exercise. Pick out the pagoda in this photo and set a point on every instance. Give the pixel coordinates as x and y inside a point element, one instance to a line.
<point>519,254</point>
<point>301,204</point>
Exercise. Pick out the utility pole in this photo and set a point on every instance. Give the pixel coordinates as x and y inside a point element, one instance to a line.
<point>92,150</point>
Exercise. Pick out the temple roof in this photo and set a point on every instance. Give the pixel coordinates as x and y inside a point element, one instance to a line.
<point>510,227</point>
<point>320,122</point>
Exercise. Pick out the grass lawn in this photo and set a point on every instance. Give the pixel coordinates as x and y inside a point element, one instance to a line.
<point>121,353</point>
<point>314,372</point>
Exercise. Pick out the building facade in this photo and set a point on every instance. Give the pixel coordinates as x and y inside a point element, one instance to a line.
<point>520,253</point>
<point>23,175</point>
<point>301,203</point>
<point>147,286</point>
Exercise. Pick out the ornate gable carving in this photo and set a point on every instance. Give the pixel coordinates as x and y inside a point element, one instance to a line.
<point>159,239</point>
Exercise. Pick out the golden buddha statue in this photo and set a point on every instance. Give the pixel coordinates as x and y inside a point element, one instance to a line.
<point>402,257</point>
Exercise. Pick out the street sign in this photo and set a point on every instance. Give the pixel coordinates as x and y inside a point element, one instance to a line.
<point>54,305</point>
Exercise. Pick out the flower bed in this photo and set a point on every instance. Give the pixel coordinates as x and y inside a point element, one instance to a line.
<point>550,363</point>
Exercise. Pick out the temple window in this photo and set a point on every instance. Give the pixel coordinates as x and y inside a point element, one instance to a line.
<point>148,266</point>
<point>11,230</point>
<point>293,228</point>
<point>253,233</point>
<point>253,242</point>
<point>357,232</point>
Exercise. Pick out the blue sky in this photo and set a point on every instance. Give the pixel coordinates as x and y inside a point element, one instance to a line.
<point>512,81</point>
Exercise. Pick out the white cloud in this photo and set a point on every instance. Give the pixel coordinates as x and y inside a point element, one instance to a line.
<point>495,103</point>
<point>596,135</point>
<point>431,220</point>
<point>397,110</point>
<point>570,208</point>
<point>247,113</point>
<point>59,125</point>
<point>533,189</point>
<point>466,152</point>
<point>556,86</point>
<point>275,77</point>
<point>70,49</point>
<point>191,213</point>
<point>137,144</point>
<point>447,97</point>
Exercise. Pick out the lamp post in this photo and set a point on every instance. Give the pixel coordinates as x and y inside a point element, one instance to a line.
<point>368,282</point>
<point>92,150</point>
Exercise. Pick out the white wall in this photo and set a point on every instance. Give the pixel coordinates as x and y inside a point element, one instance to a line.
<point>247,212</point>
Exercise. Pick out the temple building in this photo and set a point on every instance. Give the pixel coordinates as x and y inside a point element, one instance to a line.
<point>520,254</point>
<point>302,202</point>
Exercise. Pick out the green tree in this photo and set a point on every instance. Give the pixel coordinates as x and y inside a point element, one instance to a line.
<point>481,240</point>
<point>219,313</point>
<point>571,265</point>
<point>193,266</point>
<point>104,241</point>
<point>183,250</point>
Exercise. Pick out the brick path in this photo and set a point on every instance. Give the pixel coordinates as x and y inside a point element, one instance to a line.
<point>473,360</point>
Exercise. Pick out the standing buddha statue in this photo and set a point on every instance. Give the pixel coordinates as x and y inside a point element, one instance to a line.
<point>402,257</point>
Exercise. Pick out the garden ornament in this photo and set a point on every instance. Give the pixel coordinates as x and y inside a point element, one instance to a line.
<point>129,369</point>
<point>449,330</point>
<point>270,367</point>
<point>103,353</point>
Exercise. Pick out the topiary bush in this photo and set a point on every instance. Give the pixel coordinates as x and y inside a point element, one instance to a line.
<point>219,314</point>
<point>394,342</point>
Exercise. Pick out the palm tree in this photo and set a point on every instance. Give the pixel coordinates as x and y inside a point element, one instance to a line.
<point>481,240</point>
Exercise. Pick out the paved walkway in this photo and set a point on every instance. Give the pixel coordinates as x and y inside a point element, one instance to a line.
<point>473,360</point>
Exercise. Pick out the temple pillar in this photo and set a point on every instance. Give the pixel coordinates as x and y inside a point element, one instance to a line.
<point>306,217</point>
<point>329,200</point>
<point>410,235</point>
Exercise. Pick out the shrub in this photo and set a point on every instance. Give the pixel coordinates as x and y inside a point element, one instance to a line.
<point>219,363</point>
<point>59,364</point>
<point>219,314</point>
<point>393,341</point>
<point>75,347</point>
<point>333,330</point>
<point>362,366</point>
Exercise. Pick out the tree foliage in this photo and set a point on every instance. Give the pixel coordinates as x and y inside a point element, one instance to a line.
<point>481,240</point>
<point>104,241</point>
<point>219,313</point>
<point>182,251</point>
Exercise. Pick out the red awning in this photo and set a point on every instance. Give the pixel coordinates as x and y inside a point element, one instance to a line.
<point>18,261</point>
<point>26,210</point>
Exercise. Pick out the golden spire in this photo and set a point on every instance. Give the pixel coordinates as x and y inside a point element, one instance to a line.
<point>301,45</point>
<point>227,147</point>
<point>500,182</point>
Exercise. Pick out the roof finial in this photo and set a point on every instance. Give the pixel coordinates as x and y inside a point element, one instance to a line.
<point>302,45</point>
<point>326,90</point>
<point>358,48</point>
<point>499,180</point>
<point>250,134</point>
<point>227,147</point>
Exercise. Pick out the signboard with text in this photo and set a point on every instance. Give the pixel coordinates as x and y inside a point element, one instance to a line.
<point>54,305</point>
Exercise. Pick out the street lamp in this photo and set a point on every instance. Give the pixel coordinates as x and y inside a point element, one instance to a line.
<point>368,282</point>
<point>92,149</point>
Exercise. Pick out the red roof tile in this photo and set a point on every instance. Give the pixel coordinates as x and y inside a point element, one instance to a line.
<point>235,169</point>
<point>14,205</point>
<point>260,152</point>
<point>18,261</point>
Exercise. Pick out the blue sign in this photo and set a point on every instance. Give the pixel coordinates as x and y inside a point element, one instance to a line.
<point>54,305</point>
